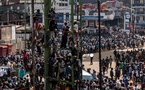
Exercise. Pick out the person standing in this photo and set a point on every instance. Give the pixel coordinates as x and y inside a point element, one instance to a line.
<point>111,73</point>
<point>91,58</point>
<point>25,59</point>
<point>110,61</point>
<point>125,80</point>
<point>22,73</point>
<point>64,37</point>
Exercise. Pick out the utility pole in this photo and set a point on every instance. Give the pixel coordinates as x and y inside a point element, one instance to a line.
<point>33,43</point>
<point>81,36</point>
<point>72,28</point>
<point>47,6</point>
<point>99,28</point>
<point>25,23</point>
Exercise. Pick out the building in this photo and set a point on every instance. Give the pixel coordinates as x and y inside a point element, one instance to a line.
<point>63,10</point>
<point>108,10</point>
<point>138,7</point>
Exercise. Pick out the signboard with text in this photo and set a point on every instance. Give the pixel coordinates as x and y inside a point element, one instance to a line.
<point>91,17</point>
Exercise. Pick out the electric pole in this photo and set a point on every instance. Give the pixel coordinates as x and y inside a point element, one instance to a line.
<point>99,28</point>
<point>33,44</point>
<point>47,6</point>
<point>81,43</point>
<point>25,23</point>
<point>72,28</point>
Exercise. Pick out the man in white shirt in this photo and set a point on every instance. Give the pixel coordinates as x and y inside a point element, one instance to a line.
<point>91,58</point>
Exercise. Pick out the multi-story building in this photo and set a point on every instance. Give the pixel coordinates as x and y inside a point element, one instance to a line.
<point>138,7</point>
<point>62,8</point>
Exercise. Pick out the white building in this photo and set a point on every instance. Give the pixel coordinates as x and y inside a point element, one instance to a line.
<point>63,10</point>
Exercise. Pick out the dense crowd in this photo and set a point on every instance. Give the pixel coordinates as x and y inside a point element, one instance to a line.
<point>128,73</point>
<point>110,40</point>
<point>16,69</point>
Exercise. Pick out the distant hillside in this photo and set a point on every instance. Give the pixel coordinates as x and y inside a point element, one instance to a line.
<point>125,2</point>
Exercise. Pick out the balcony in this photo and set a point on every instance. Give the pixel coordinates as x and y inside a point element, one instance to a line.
<point>138,4</point>
<point>140,12</point>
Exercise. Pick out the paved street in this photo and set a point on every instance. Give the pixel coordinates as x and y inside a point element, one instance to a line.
<point>95,65</point>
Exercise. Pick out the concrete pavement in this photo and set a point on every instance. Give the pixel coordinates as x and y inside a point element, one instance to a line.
<point>95,66</point>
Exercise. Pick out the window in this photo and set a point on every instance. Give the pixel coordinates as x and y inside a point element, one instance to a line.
<point>59,17</point>
<point>141,18</point>
<point>141,9</point>
<point>109,5</point>
<point>67,16</point>
<point>144,18</point>
<point>141,1</point>
<point>66,4</point>
<point>137,18</point>
<point>59,4</point>
<point>63,4</point>
<point>137,1</point>
<point>132,1</point>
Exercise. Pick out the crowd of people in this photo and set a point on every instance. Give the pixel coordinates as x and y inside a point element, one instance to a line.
<point>110,40</point>
<point>65,60</point>
<point>128,74</point>
<point>15,71</point>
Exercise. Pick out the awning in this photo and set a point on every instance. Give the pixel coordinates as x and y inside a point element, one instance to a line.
<point>86,75</point>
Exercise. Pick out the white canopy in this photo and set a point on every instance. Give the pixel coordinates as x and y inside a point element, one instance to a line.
<point>86,75</point>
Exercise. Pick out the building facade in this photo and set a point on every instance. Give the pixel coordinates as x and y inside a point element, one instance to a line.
<point>63,10</point>
<point>138,7</point>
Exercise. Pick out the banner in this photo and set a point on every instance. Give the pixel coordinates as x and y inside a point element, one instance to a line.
<point>127,21</point>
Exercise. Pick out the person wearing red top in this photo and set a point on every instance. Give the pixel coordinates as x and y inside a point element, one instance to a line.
<point>25,59</point>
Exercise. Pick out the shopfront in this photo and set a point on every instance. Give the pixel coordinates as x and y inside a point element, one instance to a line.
<point>7,34</point>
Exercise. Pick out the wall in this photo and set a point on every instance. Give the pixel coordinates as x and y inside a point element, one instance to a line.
<point>19,45</point>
